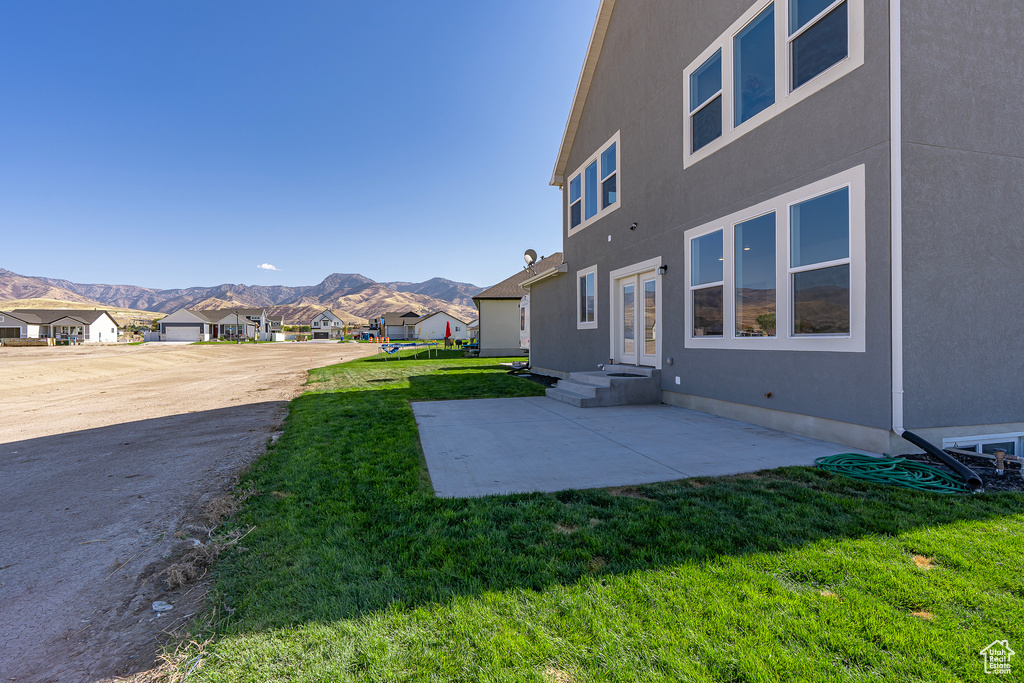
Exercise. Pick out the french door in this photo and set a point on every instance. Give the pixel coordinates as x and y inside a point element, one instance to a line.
<point>636,325</point>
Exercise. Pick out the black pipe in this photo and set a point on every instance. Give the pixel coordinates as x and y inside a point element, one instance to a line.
<point>966,473</point>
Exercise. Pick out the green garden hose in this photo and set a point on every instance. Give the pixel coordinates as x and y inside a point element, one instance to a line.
<point>892,471</point>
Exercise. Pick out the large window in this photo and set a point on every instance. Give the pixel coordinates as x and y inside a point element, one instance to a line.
<point>586,298</point>
<point>775,55</point>
<point>818,36</point>
<point>707,284</point>
<point>594,187</point>
<point>819,242</point>
<point>787,274</point>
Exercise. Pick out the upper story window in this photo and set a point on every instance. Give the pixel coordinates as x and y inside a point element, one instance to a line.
<point>706,101</point>
<point>786,274</point>
<point>586,299</point>
<point>818,36</point>
<point>775,55</point>
<point>594,187</point>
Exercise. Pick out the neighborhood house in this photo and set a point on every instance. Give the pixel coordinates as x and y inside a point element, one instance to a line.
<point>786,212</point>
<point>503,319</point>
<point>189,325</point>
<point>86,326</point>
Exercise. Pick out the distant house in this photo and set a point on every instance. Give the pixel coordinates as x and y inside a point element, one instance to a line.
<point>326,325</point>
<point>188,325</point>
<point>434,325</point>
<point>87,326</point>
<point>473,327</point>
<point>500,319</point>
<point>399,325</point>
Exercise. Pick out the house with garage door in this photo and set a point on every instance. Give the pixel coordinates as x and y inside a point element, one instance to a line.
<point>83,326</point>
<point>327,325</point>
<point>804,214</point>
<point>502,317</point>
<point>189,325</point>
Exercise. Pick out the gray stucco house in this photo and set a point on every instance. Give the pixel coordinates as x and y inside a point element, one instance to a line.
<point>805,214</point>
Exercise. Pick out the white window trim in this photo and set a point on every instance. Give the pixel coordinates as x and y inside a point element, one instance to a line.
<point>601,212</point>
<point>969,442</point>
<point>785,96</point>
<point>785,340</point>
<point>591,325</point>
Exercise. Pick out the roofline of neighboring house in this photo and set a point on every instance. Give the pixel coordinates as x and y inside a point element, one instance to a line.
<point>550,272</point>
<point>604,13</point>
<point>431,315</point>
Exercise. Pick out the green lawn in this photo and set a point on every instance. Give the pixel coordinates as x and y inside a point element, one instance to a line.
<point>356,572</point>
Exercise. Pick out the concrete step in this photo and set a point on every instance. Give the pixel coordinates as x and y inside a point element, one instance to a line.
<point>578,387</point>
<point>604,388</point>
<point>572,398</point>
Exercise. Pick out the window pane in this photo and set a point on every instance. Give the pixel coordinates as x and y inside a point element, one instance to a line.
<point>708,318</point>
<point>802,11</point>
<point>820,229</point>
<point>574,189</point>
<point>608,193</point>
<point>991,448</point>
<point>821,301</point>
<point>583,300</point>
<point>591,198</point>
<point>628,320</point>
<point>755,277</point>
<point>590,297</point>
<point>608,161</point>
<point>706,80</point>
<point>586,314</point>
<point>575,211</point>
<point>706,258</point>
<point>707,124</point>
<point>755,66</point>
<point>650,310</point>
<point>820,46</point>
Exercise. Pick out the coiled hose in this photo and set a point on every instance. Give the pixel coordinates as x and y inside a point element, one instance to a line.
<point>893,471</point>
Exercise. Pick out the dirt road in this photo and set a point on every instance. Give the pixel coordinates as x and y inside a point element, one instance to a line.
<point>104,453</point>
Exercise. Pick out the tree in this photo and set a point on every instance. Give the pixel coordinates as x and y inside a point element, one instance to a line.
<point>766,321</point>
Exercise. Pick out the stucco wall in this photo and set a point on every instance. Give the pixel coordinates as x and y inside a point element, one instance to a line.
<point>963,157</point>
<point>638,90</point>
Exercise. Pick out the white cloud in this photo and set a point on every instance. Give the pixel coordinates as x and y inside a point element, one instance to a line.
<point>267,266</point>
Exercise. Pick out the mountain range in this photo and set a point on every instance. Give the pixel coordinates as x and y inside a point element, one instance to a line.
<point>354,296</point>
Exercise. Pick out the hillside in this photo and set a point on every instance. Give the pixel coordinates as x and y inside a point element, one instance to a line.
<point>358,296</point>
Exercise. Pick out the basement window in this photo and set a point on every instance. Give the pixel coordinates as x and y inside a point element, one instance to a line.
<point>1012,443</point>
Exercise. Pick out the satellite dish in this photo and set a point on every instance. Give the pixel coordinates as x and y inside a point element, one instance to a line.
<point>530,257</point>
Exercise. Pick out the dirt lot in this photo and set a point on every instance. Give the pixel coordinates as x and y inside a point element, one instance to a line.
<point>106,455</point>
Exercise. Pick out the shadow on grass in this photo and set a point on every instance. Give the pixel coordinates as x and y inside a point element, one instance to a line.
<point>347,524</point>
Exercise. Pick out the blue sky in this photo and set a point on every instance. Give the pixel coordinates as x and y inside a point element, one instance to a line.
<point>173,144</point>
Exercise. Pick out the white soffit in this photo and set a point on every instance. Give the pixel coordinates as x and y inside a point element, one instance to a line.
<point>604,13</point>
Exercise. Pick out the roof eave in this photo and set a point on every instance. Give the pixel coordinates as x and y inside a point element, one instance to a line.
<point>604,13</point>
<point>550,272</point>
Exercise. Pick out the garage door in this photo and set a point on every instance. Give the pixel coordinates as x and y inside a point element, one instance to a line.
<point>10,332</point>
<point>182,334</point>
<point>320,335</point>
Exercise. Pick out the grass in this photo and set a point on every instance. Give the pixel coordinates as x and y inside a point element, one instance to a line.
<point>356,572</point>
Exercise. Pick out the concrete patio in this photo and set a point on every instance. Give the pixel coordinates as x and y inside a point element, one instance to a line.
<point>494,446</point>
